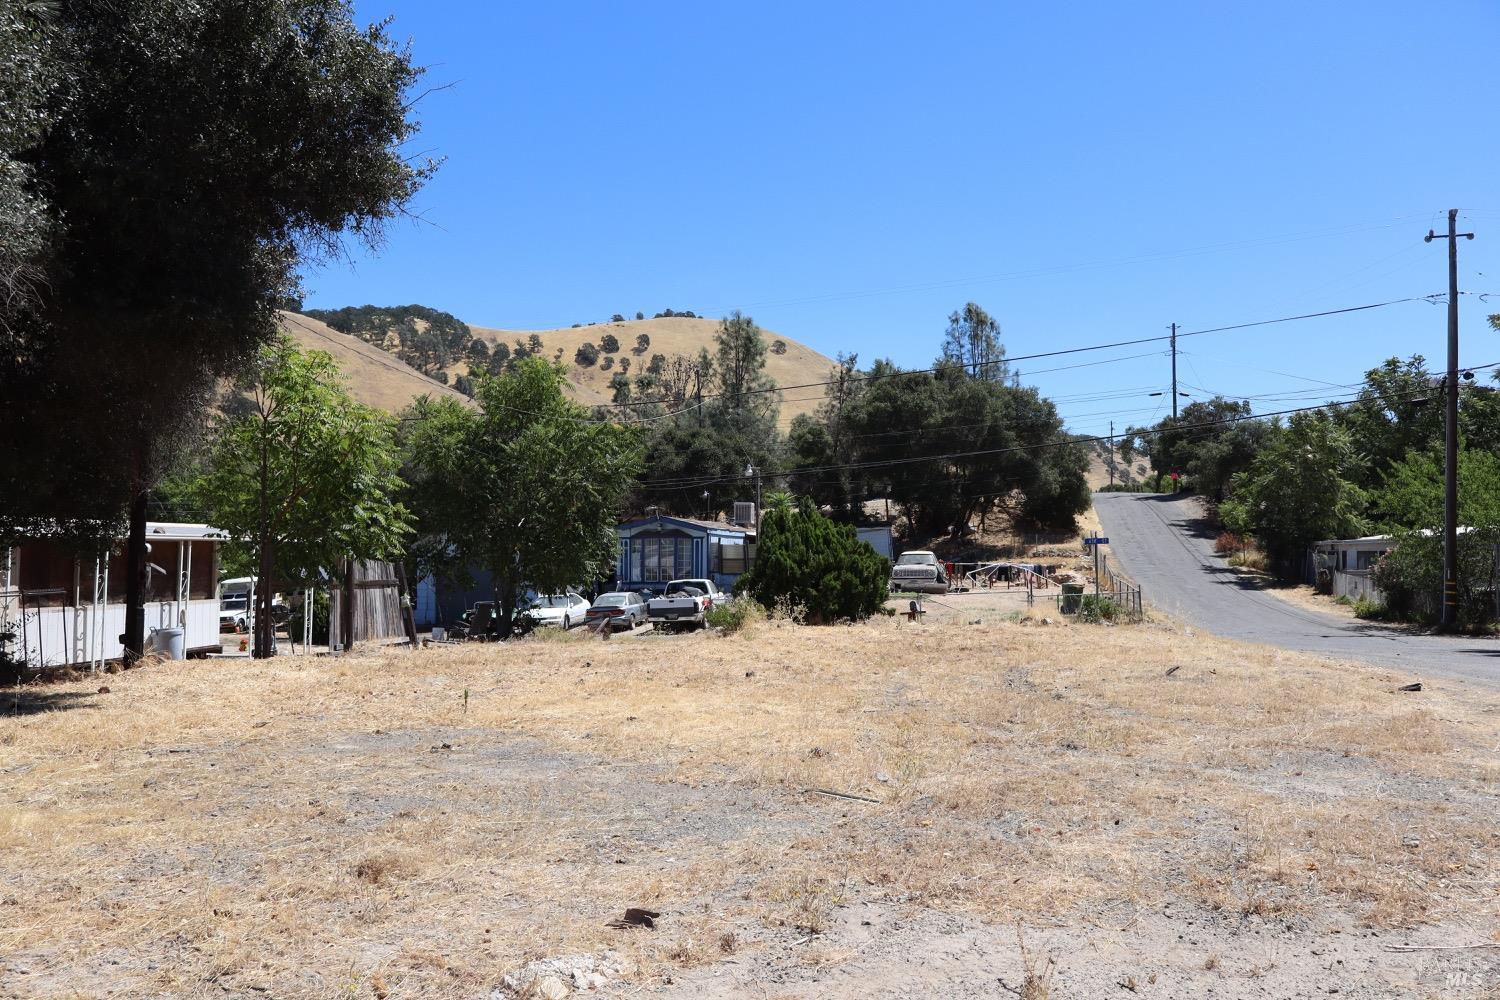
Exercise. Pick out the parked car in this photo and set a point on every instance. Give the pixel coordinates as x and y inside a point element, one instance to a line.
<point>684,604</point>
<point>622,609</point>
<point>564,610</point>
<point>234,603</point>
<point>234,613</point>
<point>920,571</point>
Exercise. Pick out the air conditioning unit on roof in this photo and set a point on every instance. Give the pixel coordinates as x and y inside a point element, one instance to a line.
<point>744,513</point>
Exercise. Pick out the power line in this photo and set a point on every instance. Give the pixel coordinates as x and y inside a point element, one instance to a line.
<point>1058,353</point>
<point>692,482</point>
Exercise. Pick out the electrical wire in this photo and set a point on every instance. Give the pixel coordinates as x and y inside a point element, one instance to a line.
<point>1059,353</point>
<point>694,482</point>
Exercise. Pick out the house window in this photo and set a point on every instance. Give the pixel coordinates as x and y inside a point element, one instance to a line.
<point>731,558</point>
<point>658,558</point>
<point>650,558</point>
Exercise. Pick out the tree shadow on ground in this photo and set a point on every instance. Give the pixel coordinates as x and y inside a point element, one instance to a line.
<point>1197,523</point>
<point>31,700</point>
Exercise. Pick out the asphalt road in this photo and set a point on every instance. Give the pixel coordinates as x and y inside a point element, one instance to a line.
<point>1158,541</point>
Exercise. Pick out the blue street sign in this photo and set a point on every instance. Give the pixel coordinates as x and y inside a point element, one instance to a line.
<point>1096,541</point>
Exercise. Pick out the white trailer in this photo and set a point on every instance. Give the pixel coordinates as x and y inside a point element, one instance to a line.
<point>64,607</point>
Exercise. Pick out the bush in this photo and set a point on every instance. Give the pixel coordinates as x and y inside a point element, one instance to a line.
<point>587,355</point>
<point>807,561</point>
<point>1140,487</point>
<point>778,347</point>
<point>1410,576</point>
<point>732,616</point>
<point>1097,609</point>
<point>609,343</point>
<point>1251,557</point>
<point>1228,542</point>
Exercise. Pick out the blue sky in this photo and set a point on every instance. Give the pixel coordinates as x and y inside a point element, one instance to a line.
<point>849,174</point>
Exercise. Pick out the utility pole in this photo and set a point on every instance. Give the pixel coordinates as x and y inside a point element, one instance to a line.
<point>1449,616</point>
<point>1112,453</point>
<point>1174,371</point>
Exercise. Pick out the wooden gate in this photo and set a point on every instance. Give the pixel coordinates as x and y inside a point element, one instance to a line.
<point>369,599</point>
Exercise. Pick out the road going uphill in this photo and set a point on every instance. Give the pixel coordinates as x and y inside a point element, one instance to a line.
<point>1160,541</point>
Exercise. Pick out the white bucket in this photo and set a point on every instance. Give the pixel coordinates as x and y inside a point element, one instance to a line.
<point>170,642</point>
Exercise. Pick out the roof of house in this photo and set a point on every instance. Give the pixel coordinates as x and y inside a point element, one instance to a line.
<point>1372,539</point>
<point>183,532</point>
<point>695,522</point>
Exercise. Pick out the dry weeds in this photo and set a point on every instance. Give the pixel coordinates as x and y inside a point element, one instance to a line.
<point>430,821</point>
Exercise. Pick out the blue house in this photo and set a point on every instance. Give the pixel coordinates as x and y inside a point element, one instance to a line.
<point>654,550</point>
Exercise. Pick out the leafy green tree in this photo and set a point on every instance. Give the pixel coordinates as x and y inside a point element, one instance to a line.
<point>747,405</point>
<point>302,476</point>
<point>1398,412</point>
<point>1299,489</point>
<point>587,355</point>
<point>31,74</point>
<point>1411,497</point>
<point>427,339</point>
<point>973,341</point>
<point>499,358</point>
<point>985,447</point>
<point>1410,505</point>
<point>639,314</point>
<point>619,388</point>
<point>537,486</point>
<point>657,366</point>
<point>617,318</point>
<point>825,445</point>
<point>478,351</point>
<point>434,427</point>
<point>694,468</point>
<point>642,341</point>
<point>189,158</point>
<point>1209,442</point>
<point>804,559</point>
<point>609,343</point>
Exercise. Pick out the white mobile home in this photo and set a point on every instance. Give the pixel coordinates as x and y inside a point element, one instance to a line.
<point>67,608</point>
<point>1344,567</point>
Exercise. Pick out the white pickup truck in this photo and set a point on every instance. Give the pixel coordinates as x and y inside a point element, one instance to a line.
<point>919,571</point>
<point>683,604</point>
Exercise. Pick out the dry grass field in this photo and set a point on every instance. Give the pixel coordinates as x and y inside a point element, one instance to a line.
<point>798,365</point>
<point>376,378</point>
<point>1022,810</point>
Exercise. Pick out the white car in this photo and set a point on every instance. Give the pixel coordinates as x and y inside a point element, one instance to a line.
<point>563,610</point>
<point>921,571</point>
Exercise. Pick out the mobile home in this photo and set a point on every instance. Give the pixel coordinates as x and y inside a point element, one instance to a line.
<point>63,607</point>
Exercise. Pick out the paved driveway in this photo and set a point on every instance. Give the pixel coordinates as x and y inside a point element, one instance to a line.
<point>1158,541</point>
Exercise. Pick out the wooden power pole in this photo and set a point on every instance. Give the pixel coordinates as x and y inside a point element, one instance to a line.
<point>1174,371</point>
<point>1449,616</point>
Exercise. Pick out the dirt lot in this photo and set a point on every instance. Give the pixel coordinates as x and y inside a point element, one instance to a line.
<point>1053,810</point>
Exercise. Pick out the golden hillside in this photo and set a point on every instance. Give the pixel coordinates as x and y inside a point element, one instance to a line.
<point>376,378</point>
<point>670,336</point>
